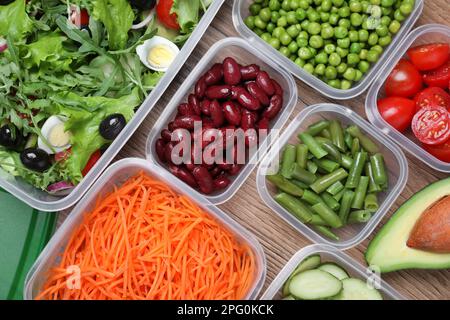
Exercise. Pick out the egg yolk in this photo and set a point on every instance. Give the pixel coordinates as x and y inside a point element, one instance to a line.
<point>161,56</point>
<point>58,137</point>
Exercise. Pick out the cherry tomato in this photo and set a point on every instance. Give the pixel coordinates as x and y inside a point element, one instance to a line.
<point>92,161</point>
<point>63,155</point>
<point>404,80</point>
<point>439,77</point>
<point>429,56</point>
<point>433,96</point>
<point>431,125</point>
<point>397,111</point>
<point>440,151</point>
<point>170,20</point>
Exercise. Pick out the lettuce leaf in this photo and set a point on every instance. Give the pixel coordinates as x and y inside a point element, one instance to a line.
<point>188,13</point>
<point>118,17</point>
<point>14,20</point>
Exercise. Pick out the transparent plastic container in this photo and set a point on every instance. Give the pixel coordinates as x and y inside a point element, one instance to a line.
<point>240,12</point>
<point>424,34</point>
<point>244,53</point>
<point>329,254</point>
<point>116,175</point>
<point>44,201</point>
<point>395,160</point>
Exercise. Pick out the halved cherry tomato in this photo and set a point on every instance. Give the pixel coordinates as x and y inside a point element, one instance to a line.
<point>170,20</point>
<point>397,111</point>
<point>433,96</point>
<point>92,161</point>
<point>431,125</point>
<point>404,80</point>
<point>439,77</point>
<point>79,16</point>
<point>440,151</point>
<point>429,56</point>
<point>63,155</point>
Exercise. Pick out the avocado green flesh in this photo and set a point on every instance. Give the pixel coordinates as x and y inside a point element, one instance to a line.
<point>388,250</point>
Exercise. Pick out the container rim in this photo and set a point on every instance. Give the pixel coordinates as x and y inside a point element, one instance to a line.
<point>290,104</point>
<point>302,228</point>
<point>303,253</point>
<point>371,100</point>
<point>71,222</point>
<point>315,82</point>
<point>144,109</point>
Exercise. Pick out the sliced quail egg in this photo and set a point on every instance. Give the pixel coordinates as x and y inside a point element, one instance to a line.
<point>55,134</point>
<point>158,53</point>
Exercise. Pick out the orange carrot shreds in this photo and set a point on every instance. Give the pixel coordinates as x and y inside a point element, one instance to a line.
<point>144,241</point>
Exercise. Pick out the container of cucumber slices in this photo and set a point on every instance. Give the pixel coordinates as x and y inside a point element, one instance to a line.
<point>323,272</point>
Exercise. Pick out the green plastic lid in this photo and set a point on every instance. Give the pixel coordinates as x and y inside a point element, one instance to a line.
<point>24,232</point>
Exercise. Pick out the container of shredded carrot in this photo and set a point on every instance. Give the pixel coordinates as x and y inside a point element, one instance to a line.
<point>138,235</point>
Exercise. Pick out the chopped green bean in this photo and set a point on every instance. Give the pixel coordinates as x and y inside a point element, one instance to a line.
<point>326,232</point>
<point>330,201</point>
<point>378,169</point>
<point>326,181</point>
<point>337,135</point>
<point>346,162</point>
<point>311,198</point>
<point>360,193</point>
<point>287,160</point>
<point>299,184</point>
<point>325,133</point>
<point>312,167</point>
<point>285,185</point>
<point>338,196</point>
<point>327,214</point>
<point>359,216</point>
<point>348,139</point>
<point>317,127</point>
<point>335,188</point>
<point>318,221</point>
<point>302,155</point>
<point>371,202</point>
<point>302,175</point>
<point>356,170</point>
<point>313,146</point>
<point>294,206</point>
<point>373,186</point>
<point>365,141</point>
<point>346,203</point>
<point>356,147</point>
<point>333,152</point>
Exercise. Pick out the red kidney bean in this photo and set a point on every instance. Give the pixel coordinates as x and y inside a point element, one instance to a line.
<point>235,169</point>
<point>208,136</point>
<point>258,93</point>
<point>224,166</point>
<point>200,88</point>
<point>214,75</point>
<point>204,106</point>
<point>166,135</point>
<point>217,116</point>
<point>234,92</point>
<point>227,134</point>
<point>190,166</point>
<point>278,88</point>
<point>248,119</point>
<point>184,175</point>
<point>247,100</point>
<point>249,72</point>
<point>186,122</point>
<point>203,179</point>
<point>168,152</point>
<point>218,92</point>
<point>263,124</point>
<point>207,123</point>
<point>276,102</point>
<point>215,172</point>
<point>171,126</point>
<point>232,113</point>
<point>251,138</point>
<point>231,72</point>
<point>221,182</point>
<point>195,104</point>
<point>179,135</point>
<point>185,109</point>
<point>160,148</point>
<point>263,80</point>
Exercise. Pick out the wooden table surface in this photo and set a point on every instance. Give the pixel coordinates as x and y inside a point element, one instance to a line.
<point>279,240</point>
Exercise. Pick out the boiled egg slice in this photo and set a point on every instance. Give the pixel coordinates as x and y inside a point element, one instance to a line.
<point>55,134</point>
<point>157,53</point>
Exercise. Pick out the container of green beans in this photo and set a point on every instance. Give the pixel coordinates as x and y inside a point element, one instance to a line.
<point>332,176</point>
<point>336,46</point>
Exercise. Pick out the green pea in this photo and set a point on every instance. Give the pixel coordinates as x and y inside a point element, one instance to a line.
<point>373,39</point>
<point>385,41</point>
<point>270,27</point>
<point>326,5</point>
<point>285,51</point>
<point>313,52</point>
<point>255,9</point>
<point>382,30</point>
<point>349,74</point>
<point>299,62</point>
<point>343,43</point>
<point>259,23</point>
<point>387,3</point>
<point>344,12</point>
<point>329,48</point>
<point>406,8</point>
<point>330,73</point>
<point>278,31</point>
<point>372,56</point>
<point>341,68</point>
<point>314,28</point>
<point>291,18</point>
<point>375,2</point>
<point>356,19</point>
<point>292,57</point>
<point>334,19</point>
<point>342,52</point>
<point>266,36</point>
<point>338,3</point>
<point>345,84</point>
<point>275,43</point>
<point>309,68</point>
<point>313,16</point>
<point>285,5</point>
<point>340,32</point>
<point>285,39</point>
<point>370,23</point>
<point>363,66</point>
<point>250,22</point>
<point>294,4</point>
<point>294,30</point>
<point>352,59</point>
<point>275,15</point>
<point>320,69</point>
<point>324,16</point>
<point>265,14</point>
<point>365,5</point>
<point>282,22</point>
<point>274,5</point>
<point>345,23</point>
<point>335,83</point>
<point>304,4</point>
<point>293,47</point>
<point>358,75</point>
<point>316,41</point>
<point>322,57</point>
<point>302,42</point>
<point>353,36</point>
<point>305,24</point>
<point>355,47</point>
<point>327,32</point>
<point>377,48</point>
<point>355,6</point>
<point>304,53</point>
<point>363,35</point>
<point>282,13</point>
<point>394,26</point>
<point>334,59</point>
<point>386,11</point>
<point>385,20</point>
<point>300,14</point>
<point>303,34</point>
<point>258,31</point>
<point>363,54</point>
<point>398,15</point>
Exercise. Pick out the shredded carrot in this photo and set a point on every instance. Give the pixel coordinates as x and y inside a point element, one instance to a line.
<point>144,241</point>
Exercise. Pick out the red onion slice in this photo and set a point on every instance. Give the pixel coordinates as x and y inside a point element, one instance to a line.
<point>3,45</point>
<point>62,188</point>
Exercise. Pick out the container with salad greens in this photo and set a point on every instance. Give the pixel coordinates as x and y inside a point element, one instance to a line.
<point>73,77</point>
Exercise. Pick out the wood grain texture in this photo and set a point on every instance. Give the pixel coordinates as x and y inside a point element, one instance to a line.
<point>280,240</point>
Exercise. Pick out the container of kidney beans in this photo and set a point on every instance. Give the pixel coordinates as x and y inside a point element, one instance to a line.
<point>241,99</point>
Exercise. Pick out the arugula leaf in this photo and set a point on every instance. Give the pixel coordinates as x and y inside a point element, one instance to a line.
<point>14,20</point>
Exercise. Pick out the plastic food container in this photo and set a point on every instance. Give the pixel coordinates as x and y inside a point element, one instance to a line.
<point>240,12</point>
<point>425,34</point>
<point>329,254</point>
<point>42,200</point>
<point>115,175</point>
<point>395,160</point>
<point>244,53</point>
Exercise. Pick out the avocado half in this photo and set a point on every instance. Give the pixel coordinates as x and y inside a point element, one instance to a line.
<point>388,250</point>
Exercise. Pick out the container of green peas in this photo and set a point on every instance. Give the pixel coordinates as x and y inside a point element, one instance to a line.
<point>338,47</point>
<point>332,175</point>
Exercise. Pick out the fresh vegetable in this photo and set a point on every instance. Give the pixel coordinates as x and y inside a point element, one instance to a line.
<point>334,187</point>
<point>316,281</point>
<point>439,77</point>
<point>91,162</point>
<point>429,56</point>
<point>147,240</point>
<point>440,151</point>
<point>336,41</point>
<point>397,111</point>
<point>432,96</point>
<point>404,80</point>
<point>166,15</point>
<point>422,219</point>
<point>431,125</point>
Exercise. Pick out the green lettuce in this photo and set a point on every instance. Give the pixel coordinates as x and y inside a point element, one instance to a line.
<point>118,17</point>
<point>14,20</point>
<point>188,13</point>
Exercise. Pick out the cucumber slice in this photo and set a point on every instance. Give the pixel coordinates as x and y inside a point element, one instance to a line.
<point>334,270</point>
<point>309,263</point>
<point>314,284</point>
<point>356,289</point>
